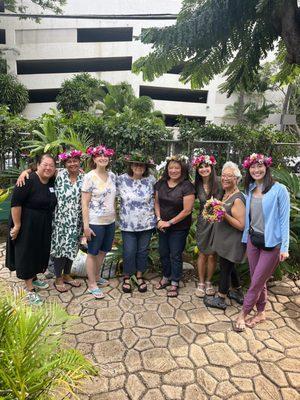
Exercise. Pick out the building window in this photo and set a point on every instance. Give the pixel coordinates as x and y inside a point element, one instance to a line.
<point>2,8</point>
<point>172,94</point>
<point>104,35</point>
<point>43,95</point>
<point>2,36</point>
<point>74,65</point>
<point>172,120</point>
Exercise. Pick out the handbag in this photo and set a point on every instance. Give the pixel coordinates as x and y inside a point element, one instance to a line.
<point>258,240</point>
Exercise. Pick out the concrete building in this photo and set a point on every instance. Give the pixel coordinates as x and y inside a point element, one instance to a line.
<point>47,53</point>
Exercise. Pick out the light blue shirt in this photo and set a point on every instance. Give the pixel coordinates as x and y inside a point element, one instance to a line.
<point>276,212</point>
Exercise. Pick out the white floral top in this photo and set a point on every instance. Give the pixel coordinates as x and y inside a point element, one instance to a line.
<point>137,203</point>
<point>102,204</point>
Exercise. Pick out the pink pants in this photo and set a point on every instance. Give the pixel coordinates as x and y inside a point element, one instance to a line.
<point>262,265</point>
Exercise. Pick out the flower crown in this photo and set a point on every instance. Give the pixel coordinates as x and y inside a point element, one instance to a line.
<point>257,158</point>
<point>177,157</point>
<point>100,150</point>
<point>138,157</point>
<point>204,159</point>
<point>70,154</point>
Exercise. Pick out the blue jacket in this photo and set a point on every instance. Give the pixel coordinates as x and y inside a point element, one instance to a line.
<point>276,212</point>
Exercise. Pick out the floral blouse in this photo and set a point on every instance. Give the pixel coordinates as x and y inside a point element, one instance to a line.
<point>102,204</point>
<point>137,203</point>
<point>67,222</point>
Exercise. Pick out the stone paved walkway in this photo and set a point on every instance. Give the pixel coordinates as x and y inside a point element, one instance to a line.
<point>153,348</point>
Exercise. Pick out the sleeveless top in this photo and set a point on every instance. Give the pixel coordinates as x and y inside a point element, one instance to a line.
<point>226,240</point>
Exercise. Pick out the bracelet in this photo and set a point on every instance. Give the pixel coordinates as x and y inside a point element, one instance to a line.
<point>158,219</point>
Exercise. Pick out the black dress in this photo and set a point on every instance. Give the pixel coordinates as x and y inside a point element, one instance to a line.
<point>28,255</point>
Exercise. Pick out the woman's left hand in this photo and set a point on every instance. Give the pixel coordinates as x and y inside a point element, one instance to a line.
<point>162,225</point>
<point>283,256</point>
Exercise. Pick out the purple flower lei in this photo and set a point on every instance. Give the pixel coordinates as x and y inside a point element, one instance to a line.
<point>70,154</point>
<point>100,150</point>
<point>257,158</point>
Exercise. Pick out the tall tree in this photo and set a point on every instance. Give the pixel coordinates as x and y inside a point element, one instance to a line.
<point>17,6</point>
<point>216,36</point>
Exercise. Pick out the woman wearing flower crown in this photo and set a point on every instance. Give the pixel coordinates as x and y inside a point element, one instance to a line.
<point>137,217</point>
<point>98,211</point>
<point>174,200</point>
<point>206,185</point>
<point>266,234</point>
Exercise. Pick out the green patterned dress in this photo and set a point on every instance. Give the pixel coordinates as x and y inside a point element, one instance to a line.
<point>67,223</point>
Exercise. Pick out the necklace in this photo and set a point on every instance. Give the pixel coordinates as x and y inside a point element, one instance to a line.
<point>227,195</point>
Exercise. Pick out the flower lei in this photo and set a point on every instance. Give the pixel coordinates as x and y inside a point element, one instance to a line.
<point>100,150</point>
<point>139,158</point>
<point>70,154</point>
<point>204,159</point>
<point>177,157</point>
<point>257,158</point>
<point>213,210</point>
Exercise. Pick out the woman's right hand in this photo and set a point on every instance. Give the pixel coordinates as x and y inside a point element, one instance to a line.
<point>22,177</point>
<point>14,232</point>
<point>88,233</point>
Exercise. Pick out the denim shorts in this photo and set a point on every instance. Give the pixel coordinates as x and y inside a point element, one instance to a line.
<point>103,240</point>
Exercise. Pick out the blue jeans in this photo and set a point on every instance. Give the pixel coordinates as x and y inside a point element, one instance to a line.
<point>135,251</point>
<point>103,240</point>
<point>171,247</point>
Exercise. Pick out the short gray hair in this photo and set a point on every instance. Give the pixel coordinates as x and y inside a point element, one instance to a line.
<point>234,167</point>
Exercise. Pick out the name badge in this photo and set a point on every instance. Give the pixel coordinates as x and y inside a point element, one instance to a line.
<point>51,189</point>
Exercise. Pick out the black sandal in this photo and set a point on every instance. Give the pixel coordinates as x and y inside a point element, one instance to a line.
<point>173,291</point>
<point>126,282</point>
<point>162,285</point>
<point>142,287</point>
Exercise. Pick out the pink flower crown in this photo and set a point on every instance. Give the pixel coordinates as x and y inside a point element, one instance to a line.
<point>100,150</point>
<point>257,158</point>
<point>204,159</point>
<point>70,154</point>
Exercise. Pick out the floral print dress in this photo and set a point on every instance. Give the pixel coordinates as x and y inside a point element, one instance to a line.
<point>67,223</point>
<point>137,203</point>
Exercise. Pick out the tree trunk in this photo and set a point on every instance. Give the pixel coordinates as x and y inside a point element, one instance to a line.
<point>290,30</point>
<point>285,106</point>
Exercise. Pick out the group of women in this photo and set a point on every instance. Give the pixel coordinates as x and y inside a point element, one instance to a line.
<point>256,224</point>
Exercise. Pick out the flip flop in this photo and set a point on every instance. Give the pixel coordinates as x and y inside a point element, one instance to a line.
<point>60,288</point>
<point>239,328</point>
<point>97,293</point>
<point>73,283</point>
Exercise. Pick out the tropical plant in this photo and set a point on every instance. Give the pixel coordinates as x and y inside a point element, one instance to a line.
<point>249,113</point>
<point>215,36</point>
<point>13,93</point>
<point>79,93</point>
<point>51,5</point>
<point>34,362</point>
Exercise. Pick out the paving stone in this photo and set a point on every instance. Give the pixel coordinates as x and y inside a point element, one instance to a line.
<point>129,338</point>
<point>245,396</point>
<point>133,361</point>
<point>108,326</point>
<point>172,392</point>
<point>159,341</point>
<point>181,317</point>
<point>141,332</point>
<point>193,392</point>
<point>203,340</point>
<point>115,395</point>
<point>95,385</point>
<point>150,319</point>
<point>150,379</point>
<point>293,353</point>
<point>219,373</point>
<point>290,365</point>
<point>206,381</point>
<point>128,321</point>
<point>265,389</point>
<point>151,307</point>
<point>243,384</point>
<point>245,370</point>
<point>109,314</point>
<point>236,342</point>
<point>197,355</point>
<point>117,382</point>
<point>269,355</point>
<point>179,376</point>
<point>274,373</point>
<point>220,327</point>
<point>286,337</point>
<point>218,336</point>
<point>166,310</point>
<point>184,362</point>
<point>77,328</point>
<point>111,351</point>
<point>187,333</point>
<point>178,346</point>
<point>197,328</point>
<point>84,348</point>
<point>274,345</point>
<point>247,357</point>
<point>290,394</point>
<point>203,317</point>
<point>261,335</point>
<point>91,337</point>
<point>221,354</point>
<point>170,321</point>
<point>153,394</point>
<point>135,388</point>
<point>187,305</point>
<point>158,360</point>
<point>167,330</point>
<point>225,390</point>
<point>114,334</point>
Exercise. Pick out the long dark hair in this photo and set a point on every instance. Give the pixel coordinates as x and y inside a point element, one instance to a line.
<point>268,181</point>
<point>213,182</point>
<point>185,176</point>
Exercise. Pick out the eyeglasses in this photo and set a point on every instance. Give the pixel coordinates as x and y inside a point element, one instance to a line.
<point>47,165</point>
<point>228,176</point>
